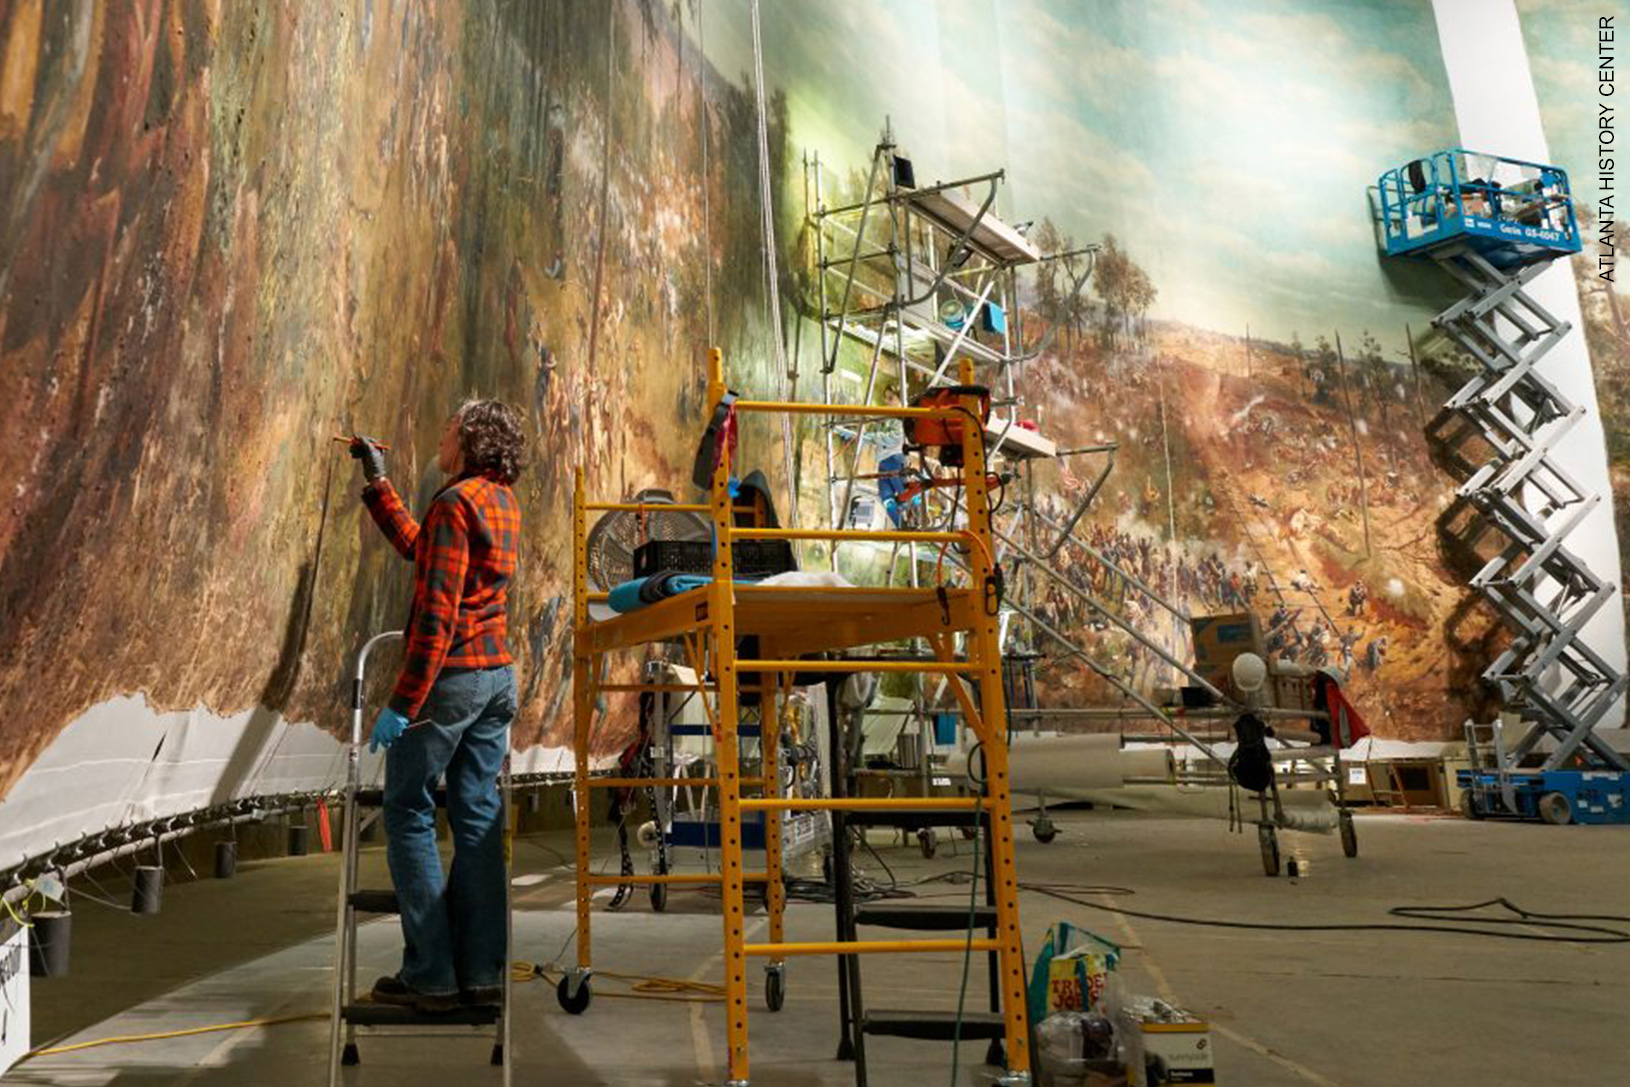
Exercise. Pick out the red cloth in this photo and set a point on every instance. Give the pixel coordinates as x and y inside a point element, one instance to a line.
<point>1343,712</point>
<point>463,558</point>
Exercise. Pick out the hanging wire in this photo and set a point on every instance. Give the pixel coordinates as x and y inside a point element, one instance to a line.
<point>707,172</point>
<point>772,277</point>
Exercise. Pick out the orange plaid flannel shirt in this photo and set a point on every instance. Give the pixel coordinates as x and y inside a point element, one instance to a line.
<point>463,558</point>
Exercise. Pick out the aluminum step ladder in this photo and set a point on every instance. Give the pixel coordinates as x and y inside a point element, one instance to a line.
<point>349,1015</point>
<point>1543,592</point>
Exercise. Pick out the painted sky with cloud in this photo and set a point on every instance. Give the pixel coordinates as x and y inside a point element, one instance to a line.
<point>1229,143</point>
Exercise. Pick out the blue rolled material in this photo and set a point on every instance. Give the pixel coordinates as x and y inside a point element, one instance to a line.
<point>626,597</point>
<point>683,583</point>
<point>636,594</point>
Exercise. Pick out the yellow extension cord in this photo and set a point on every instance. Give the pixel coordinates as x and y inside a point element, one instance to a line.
<point>123,1038</point>
<point>644,987</point>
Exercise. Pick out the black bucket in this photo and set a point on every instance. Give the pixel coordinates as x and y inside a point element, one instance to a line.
<point>226,860</point>
<point>147,894</point>
<point>48,941</point>
<point>299,839</point>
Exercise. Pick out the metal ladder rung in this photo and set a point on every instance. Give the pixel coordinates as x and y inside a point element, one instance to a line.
<point>871,947</point>
<point>369,1014</point>
<point>374,901</point>
<point>934,1026</point>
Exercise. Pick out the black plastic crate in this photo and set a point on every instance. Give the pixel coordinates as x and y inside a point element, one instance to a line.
<point>673,556</point>
<point>754,559</point>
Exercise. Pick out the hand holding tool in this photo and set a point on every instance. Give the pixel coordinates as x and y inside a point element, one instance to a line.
<point>372,455</point>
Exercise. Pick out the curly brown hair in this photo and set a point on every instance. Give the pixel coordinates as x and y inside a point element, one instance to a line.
<point>491,438</point>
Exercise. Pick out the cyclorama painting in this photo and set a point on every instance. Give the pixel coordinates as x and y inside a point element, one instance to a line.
<point>231,232</point>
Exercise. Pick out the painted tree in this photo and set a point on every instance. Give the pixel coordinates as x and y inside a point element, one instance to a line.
<point>1375,374</point>
<point>1048,294</point>
<point>1109,284</point>
<point>1125,289</point>
<point>1076,307</point>
<point>1322,374</point>
<point>1300,352</point>
<point>1141,295</point>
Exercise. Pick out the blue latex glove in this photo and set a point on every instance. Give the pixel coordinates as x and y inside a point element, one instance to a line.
<point>388,728</point>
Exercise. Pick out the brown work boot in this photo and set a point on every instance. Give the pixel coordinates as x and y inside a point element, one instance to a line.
<point>482,996</point>
<point>390,990</point>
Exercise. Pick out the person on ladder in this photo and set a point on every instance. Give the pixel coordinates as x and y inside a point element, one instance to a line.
<point>451,709</point>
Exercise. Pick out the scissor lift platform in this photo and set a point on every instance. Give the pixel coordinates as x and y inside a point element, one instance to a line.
<point>1510,212</point>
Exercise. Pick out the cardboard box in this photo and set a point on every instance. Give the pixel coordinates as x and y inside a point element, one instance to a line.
<point>1174,1053</point>
<point>1293,692</point>
<point>1218,639</point>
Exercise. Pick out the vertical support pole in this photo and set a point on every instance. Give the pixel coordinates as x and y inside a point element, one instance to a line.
<point>505,1050</point>
<point>851,1040</point>
<point>769,739</point>
<point>819,219</point>
<point>984,650</point>
<point>721,627</point>
<point>343,930</point>
<point>582,712</point>
<point>905,287</point>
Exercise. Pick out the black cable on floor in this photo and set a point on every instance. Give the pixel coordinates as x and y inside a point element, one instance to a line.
<point>819,890</point>
<point>967,960</point>
<point>1562,923</point>
<point>894,881</point>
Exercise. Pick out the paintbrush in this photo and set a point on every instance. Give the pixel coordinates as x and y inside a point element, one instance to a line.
<point>348,441</point>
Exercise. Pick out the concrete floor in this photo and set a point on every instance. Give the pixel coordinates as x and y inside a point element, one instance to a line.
<point>1338,1009</point>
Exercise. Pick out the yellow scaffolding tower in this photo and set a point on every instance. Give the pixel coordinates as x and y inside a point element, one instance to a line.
<point>791,622</point>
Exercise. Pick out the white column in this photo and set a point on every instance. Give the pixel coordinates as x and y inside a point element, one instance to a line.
<point>1498,113</point>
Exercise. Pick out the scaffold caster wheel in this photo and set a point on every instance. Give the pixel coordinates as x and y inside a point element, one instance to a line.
<point>575,1003</point>
<point>1349,834</point>
<point>996,1054</point>
<point>1044,829</point>
<point>928,842</point>
<point>775,987</point>
<point>498,1054</point>
<point>659,897</point>
<point>1269,841</point>
<point>349,1055</point>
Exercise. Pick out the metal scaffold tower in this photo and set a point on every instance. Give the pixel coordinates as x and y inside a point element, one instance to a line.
<point>1494,225</point>
<point>923,279</point>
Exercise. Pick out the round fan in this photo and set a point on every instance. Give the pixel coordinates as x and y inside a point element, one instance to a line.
<point>614,537</point>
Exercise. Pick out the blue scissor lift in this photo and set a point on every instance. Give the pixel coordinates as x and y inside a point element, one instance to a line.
<point>1494,224</point>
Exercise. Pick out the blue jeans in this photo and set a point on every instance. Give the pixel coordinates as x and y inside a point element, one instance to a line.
<point>453,929</point>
